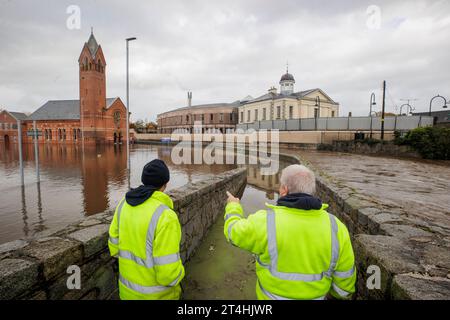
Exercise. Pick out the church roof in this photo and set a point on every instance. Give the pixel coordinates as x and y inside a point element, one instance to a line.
<point>92,44</point>
<point>18,115</point>
<point>62,110</point>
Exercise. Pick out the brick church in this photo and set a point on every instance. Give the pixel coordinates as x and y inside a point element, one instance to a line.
<point>93,117</point>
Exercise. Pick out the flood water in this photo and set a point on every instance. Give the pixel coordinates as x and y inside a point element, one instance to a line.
<point>74,184</point>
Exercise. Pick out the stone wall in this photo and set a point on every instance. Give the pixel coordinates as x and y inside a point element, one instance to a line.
<point>382,149</point>
<point>413,255</point>
<point>37,268</point>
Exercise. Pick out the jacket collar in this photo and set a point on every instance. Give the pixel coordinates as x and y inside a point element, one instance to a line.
<point>300,200</point>
<point>163,198</point>
<point>324,207</point>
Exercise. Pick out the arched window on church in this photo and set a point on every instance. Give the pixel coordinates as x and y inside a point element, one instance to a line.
<point>85,64</point>
<point>99,65</point>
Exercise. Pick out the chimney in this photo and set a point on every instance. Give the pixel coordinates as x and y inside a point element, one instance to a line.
<point>273,90</point>
<point>189,99</point>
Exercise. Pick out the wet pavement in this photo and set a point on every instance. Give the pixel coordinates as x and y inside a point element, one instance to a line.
<point>421,189</point>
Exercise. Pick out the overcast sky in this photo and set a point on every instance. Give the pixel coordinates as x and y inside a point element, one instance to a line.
<point>223,51</point>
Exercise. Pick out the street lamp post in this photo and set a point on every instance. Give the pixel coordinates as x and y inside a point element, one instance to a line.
<point>128,112</point>
<point>431,102</point>
<point>372,103</point>
<point>317,115</point>
<point>408,107</point>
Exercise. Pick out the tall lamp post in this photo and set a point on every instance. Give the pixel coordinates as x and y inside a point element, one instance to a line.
<point>431,102</point>
<point>372,103</point>
<point>128,112</point>
<point>317,105</point>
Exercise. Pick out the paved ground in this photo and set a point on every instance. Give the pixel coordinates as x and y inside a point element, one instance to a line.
<point>420,188</point>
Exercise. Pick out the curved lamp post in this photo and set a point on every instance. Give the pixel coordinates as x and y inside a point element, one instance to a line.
<point>372,103</point>
<point>408,107</point>
<point>431,102</point>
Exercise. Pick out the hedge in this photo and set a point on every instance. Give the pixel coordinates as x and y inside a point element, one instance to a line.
<point>430,142</point>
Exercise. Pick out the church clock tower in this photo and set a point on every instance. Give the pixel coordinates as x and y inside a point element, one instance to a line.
<point>92,66</point>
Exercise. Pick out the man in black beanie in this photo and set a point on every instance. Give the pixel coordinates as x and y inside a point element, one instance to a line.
<point>145,235</point>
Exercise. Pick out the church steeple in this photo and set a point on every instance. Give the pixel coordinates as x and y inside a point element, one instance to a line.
<point>92,43</point>
<point>92,84</point>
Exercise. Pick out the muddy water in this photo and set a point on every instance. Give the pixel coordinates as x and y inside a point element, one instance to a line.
<point>75,183</point>
<point>219,270</point>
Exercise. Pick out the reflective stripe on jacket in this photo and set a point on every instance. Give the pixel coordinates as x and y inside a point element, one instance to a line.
<point>146,239</point>
<point>300,254</point>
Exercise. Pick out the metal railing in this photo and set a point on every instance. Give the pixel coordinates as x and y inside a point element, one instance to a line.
<point>341,124</point>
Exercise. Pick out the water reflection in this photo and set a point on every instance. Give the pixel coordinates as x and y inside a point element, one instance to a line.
<point>24,212</point>
<point>77,182</point>
<point>74,183</point>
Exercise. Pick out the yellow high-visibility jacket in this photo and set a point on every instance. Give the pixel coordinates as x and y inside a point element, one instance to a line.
<point>300,254</point>
<point>146,239</point>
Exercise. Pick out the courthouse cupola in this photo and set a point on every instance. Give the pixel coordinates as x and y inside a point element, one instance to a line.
<point>287,83</point>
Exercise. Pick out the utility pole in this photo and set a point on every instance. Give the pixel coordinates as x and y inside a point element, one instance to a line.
<point>382,110</point>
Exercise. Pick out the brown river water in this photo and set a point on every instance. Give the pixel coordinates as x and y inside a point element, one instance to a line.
<point>74,184</point>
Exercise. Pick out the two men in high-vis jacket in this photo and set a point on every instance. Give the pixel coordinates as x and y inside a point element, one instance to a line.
<point>145,236</point>
<point>301,250</point>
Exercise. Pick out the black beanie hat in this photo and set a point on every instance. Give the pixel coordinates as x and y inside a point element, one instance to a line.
<point>155,173</point>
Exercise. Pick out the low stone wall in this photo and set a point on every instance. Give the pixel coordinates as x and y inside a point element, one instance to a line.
<point>413,255</point>
<point>37,269</point>
<point>382,149</point>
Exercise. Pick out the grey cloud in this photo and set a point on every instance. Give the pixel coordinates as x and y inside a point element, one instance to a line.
<point>225,50</point>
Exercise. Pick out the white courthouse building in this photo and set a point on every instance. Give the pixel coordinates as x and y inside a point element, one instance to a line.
<point>288,104</point>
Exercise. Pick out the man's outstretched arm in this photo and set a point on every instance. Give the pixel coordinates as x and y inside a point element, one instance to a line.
<point>244,233</point>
